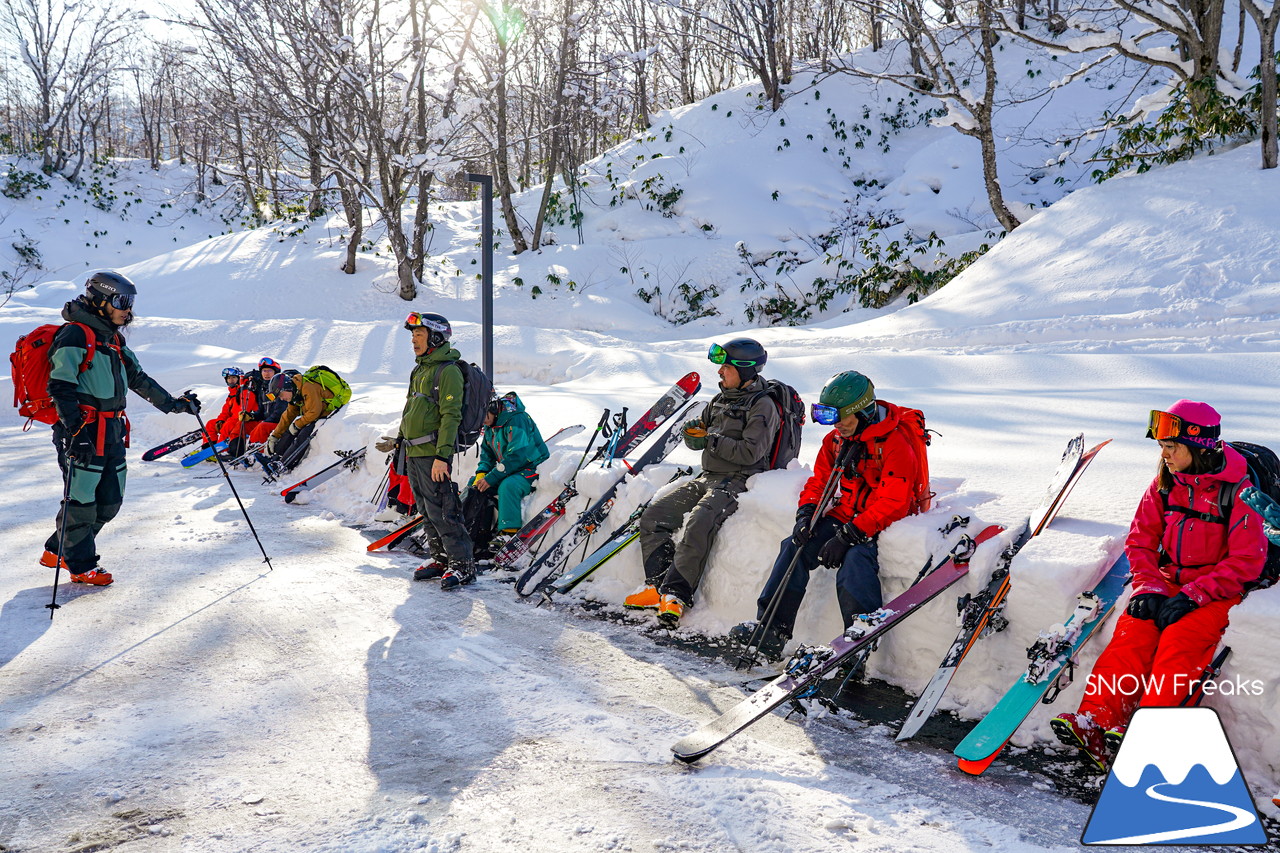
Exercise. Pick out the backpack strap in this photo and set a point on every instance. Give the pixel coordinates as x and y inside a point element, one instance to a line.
<point>1226,502</point>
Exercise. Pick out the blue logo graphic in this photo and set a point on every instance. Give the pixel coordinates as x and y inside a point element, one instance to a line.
<point>1175,781</point>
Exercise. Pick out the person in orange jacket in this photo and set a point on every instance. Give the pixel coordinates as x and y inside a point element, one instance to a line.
<point>1193,547</point>
<point>876,489</point>
<point>226,424</point>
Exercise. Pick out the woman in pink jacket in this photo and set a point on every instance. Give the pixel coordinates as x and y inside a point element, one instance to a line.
<point>1192,547</point>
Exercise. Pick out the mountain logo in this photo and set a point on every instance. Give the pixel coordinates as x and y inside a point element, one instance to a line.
<point>1175,781</point>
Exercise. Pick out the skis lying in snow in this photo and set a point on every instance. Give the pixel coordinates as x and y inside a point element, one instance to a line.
<point>982,614</point>
<point>520,549</point>
<point>192,459</point>
<point>349,461</point>
<point>1052,665</point>
<point>551,563</point>
<point>810,666</point>
<point>619,539</point>
<point>172,445</point>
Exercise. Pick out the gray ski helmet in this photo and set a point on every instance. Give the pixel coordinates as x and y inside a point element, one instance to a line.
<point>110,288</point>
<point>438,329</point>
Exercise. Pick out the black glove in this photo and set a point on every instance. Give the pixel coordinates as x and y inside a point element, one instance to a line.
<point>187,404</point>
<point>834,550</point>
<point>1145,605</point>
<point>804,517</point>
<point>82,441</point>
<point>1174,609</point>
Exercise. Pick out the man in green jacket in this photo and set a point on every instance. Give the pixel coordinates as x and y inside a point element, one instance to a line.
<point>428,432</point>
<point>92,431</point>
<point>510,453</point>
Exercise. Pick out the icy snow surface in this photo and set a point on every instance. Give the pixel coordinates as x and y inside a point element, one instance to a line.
<point>204,703</point>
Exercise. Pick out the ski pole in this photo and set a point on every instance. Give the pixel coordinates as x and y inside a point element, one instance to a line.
<point>227,474</point>
<point>619,427</point>
<point>602,426</point>
<point>62,533</point>
<point>380,494</point>
<point>748,657</point>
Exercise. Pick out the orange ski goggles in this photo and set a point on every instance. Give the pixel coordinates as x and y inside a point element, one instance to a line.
<point>1164,426</point>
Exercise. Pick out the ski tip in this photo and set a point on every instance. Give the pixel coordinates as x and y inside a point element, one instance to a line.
<point>976,767</point>
<point>686,757</point>
<point>289,496</point>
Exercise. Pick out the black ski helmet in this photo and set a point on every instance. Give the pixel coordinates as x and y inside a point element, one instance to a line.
<point>107,287</point>
<point>744,354</point>
<point>282,382</point>
<point>438,329</point>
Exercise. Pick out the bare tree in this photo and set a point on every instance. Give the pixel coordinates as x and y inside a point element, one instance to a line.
<point>954,63</point>
<point>68,50</point>
<point>1265,16</point>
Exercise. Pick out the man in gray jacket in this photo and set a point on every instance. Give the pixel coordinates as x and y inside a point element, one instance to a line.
<point>736,434</point>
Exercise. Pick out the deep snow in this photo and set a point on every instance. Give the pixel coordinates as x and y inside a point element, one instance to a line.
<point>333,704</point>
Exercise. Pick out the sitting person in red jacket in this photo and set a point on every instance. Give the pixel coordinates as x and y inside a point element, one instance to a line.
<point>1192,548</point>
<point>877,487</point>
<point>226,425</point>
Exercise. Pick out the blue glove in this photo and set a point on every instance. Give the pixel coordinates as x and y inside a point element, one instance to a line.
<point>1145,605</point>
<point>1174,609</point>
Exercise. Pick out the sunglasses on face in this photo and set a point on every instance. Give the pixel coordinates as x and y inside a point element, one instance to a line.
<point>718,355</point>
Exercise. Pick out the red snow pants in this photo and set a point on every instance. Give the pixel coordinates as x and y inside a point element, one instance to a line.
<point>1143,666</point>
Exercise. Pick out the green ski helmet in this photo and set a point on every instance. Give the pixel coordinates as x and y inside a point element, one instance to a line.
<point>846,394</point>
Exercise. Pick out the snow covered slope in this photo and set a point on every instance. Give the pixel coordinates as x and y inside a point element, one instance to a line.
<point>334,704</point>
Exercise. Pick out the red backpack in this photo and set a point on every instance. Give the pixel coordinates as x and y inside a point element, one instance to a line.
<point>911,425</point>
<point>30,361</point>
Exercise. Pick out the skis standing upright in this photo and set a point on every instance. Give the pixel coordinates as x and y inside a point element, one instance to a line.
<point>1052,665</point>
<point>516,553</point>
<point>810,665</point>
<point>552,561</point>
<point>982,614</point>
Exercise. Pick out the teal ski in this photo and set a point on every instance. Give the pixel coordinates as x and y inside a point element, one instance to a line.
<point>1052,667</point>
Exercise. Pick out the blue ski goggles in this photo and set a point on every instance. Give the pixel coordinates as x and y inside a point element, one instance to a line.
<point>825,415</point>
<point>719,355</point>
<point>830,415</point>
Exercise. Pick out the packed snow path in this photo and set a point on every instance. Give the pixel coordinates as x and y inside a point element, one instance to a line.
<point>203,703</point>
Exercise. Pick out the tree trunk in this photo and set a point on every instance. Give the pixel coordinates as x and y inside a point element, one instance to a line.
<point>354,214</point>
<point>984,129</point>
<point>1266,26</point>
<point>501,169</point>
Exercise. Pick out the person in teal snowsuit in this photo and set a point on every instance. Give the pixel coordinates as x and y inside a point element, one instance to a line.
<point>510,453</point>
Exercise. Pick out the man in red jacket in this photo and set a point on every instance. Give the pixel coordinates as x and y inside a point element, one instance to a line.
<point>877,487</point>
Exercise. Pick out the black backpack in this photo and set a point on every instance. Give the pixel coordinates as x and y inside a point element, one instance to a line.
<point>477,391</point>
<point>1264,474</point>
<point>791,420</point>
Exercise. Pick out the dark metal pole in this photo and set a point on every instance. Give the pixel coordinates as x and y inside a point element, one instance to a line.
<point>486,267</point>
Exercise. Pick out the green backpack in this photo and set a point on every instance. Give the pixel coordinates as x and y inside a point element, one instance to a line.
<point>335,384</point>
